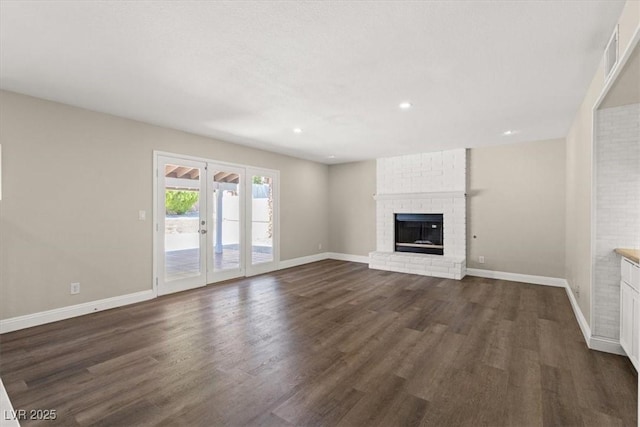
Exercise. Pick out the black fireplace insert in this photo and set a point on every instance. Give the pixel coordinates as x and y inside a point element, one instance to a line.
<point>419,233</point>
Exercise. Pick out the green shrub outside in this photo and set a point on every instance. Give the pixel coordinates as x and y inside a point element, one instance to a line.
<point>179,201</point>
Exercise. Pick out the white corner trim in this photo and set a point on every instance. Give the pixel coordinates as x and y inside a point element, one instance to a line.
<point>582,321</point>
<point>49,316</point>
<point>517,277</point>
<point>294,262</point>
<point>607,345</point>
<point>348,257</point>
<point>7,418</point>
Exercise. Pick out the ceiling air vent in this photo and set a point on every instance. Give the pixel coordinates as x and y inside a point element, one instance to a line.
<point>611,55</point>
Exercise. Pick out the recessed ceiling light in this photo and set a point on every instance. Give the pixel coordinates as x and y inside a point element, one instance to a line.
<point>509,132</point>
<point>404,105</point>
<point>297,130</point>
<point>331,157</point>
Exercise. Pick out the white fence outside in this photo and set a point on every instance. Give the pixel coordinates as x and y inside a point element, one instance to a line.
<point>182,232</point>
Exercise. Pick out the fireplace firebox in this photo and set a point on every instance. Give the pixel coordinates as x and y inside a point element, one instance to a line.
<point>419,233</point>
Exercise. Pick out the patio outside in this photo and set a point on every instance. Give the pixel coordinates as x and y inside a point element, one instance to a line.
<point>182,235</point>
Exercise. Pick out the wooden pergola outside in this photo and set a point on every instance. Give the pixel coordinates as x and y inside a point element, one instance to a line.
<point>185,172</point>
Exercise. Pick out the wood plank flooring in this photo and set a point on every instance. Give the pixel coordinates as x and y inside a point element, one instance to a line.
<point>328,343</point>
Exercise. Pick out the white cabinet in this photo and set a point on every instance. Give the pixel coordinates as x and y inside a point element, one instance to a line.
<point>630,310</point>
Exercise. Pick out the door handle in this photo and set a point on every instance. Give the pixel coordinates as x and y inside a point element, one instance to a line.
<point>203,231</point>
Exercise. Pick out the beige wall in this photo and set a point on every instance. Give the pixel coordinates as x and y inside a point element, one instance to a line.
<point>516,199</point>
<point>73,182</point>
<point>579,178</point>
<point>352,210</point>
<point>515,208</point>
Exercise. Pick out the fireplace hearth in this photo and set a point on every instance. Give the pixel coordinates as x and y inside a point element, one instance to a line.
<point>419,233</point>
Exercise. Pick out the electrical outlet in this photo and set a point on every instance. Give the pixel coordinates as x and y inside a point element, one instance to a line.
<point>481,259</point>
<point>319,246</point>
<point>142,215</point>
<point>75,288</point>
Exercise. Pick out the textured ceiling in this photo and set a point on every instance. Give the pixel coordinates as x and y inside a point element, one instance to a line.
<point>250,72</point>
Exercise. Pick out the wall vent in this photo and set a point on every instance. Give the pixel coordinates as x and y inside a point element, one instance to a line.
<point>611,55</point>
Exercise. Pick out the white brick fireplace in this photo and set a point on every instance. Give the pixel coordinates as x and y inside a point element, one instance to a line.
<point>428,183</point>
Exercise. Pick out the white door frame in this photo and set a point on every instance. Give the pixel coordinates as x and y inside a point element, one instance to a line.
<point>246,230</point>
<point>264,267</point>
<point>196,281</point>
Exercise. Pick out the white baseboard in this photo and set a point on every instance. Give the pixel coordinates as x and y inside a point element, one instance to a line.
<point>7,414</point>
<point>319,257</point>
<point>49,316</point>
<point>517,277</point>
<point>607,345</point>
<point>348,257</point>
<point>582,322</point>
<point>294,262</point>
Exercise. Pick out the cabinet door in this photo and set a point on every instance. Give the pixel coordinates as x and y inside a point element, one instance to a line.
<point>635,328</point>
<point>626,317</point>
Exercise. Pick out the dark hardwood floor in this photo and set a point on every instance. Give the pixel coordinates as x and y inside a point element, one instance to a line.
<point>328,343</point>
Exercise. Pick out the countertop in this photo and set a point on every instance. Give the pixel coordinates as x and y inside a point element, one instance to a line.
<point>632,254</point>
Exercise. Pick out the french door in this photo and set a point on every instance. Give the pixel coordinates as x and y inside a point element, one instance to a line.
<point>262,214</point>
<point>214,222</point>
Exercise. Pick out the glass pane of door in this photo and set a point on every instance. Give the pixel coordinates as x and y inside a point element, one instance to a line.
<point>184,225</point>
<point>262,219</point>
<point>226,219</point>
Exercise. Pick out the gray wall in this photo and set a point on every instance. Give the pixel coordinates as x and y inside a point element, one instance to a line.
<point>516,208</point>
<point>352,210</point>
<point>73,182</point>
<point>617,209</point>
